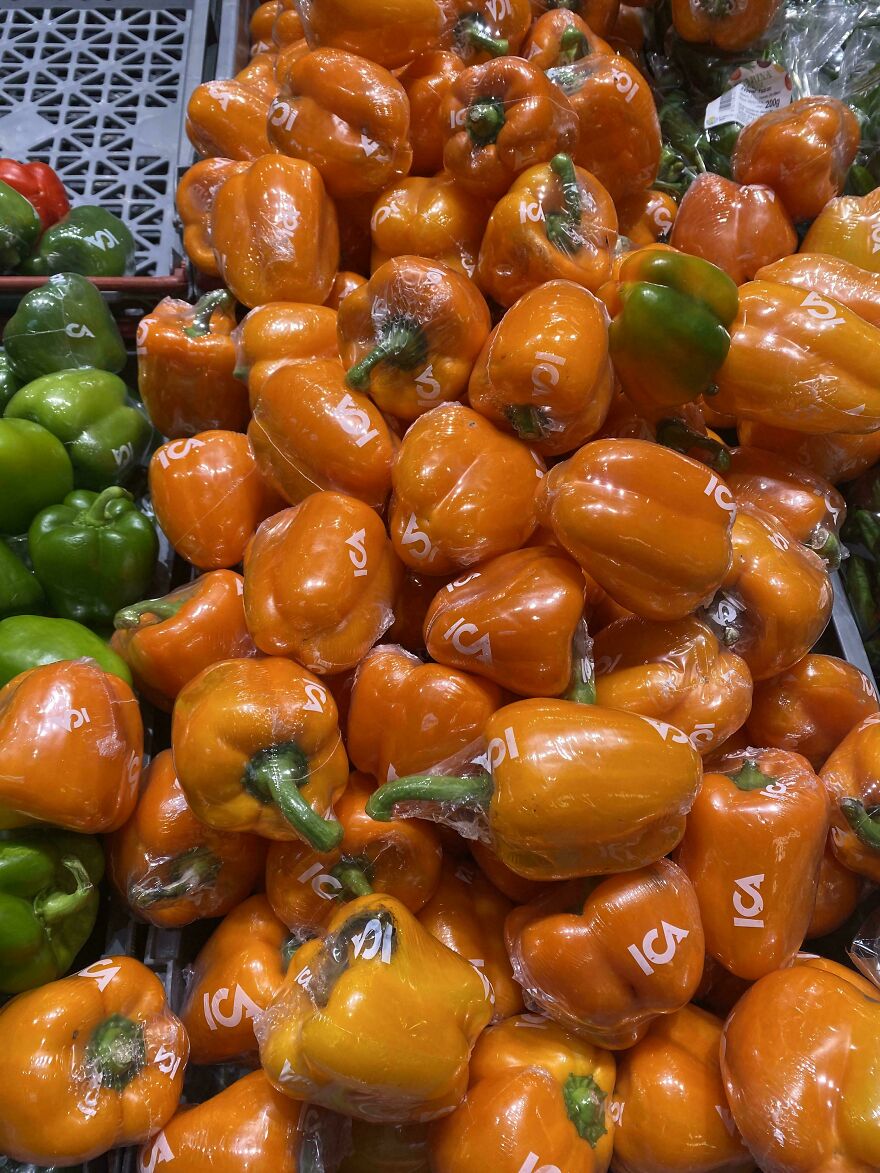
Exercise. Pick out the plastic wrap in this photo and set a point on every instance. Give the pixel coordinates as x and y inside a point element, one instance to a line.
<point>727,27</point>
<point>463,492</point>
<point>830,276</point>
<point>407,717</point>
<point>71,747</point>
<point>282,331</point>
<point>753,847</point>
<point>194,200</point>
<point>411,335</point>
<point>811,707</point>
<point>849,228</point>
<point>404,29</point>
<point>544,372</point>
<point>236,975</point>
<point>776,600</point>
<point>485,623</point>
<point>652,527</point>
<point>836,456</point>
<point>378,980</point>
<point>377,1147</point>
<point>531,1081</point>
<point>345,115</point>
<point>675,672</point>
<point>796,1054</point>
<point>400,859</point>
<point>227,119</point>
<point>274,232</point>
<point>557,222</point>
<point>852,777</point>
<point>426,81</point>
<point>257,748</point>
<point>88,1063</point>
<point>169,868</point>
<point>633,952</point>
<point>838,893</point>
<point>310,431</point>
<point>209,497</point>
<point>320,581</point>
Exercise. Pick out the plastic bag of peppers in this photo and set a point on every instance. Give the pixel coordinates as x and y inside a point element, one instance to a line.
<point>506,445</point>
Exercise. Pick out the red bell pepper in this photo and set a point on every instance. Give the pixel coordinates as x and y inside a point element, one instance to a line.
<point>39,184</point>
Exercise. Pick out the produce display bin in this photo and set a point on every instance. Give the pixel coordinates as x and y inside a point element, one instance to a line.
<point>98,90</point>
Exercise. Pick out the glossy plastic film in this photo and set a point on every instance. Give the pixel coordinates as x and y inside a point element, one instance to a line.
<point>852,777</point>
<point>849,228</point>
<point>282,331</point>
<point>227,119</point>
<point>851,285</point>
<point>194,200</point>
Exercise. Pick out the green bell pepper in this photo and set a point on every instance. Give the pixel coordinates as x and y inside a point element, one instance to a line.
<point>20,593</point>
<point>48,903</point>
<point>89,240</point>
<point>28,641</point>
<point>35,471</point>
<point>20,228</point>
<point>63,325</point>
<point>8,382</point>
<point>93,554</point>
<point>90,412</point>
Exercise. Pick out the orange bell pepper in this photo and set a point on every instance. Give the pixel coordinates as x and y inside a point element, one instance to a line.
<point>514,887</point>
<point>619,130</point>
<point>433,218</point>
<point>411,335</point>
<point>274,233</point>
<point>463,492</point>
<point>319,583</point>
<point>227,1130</point>
<point>71,746</point>
<point>261,22</point>
<point>228,119</point>
<point>399,859</point>
<point>169,868</point>
<point>467,914</point>
<point>347,116</point>
<point>257,748</point>
<point>652,527</point>
<point>557,222</point>
<point>753,847</point>
<point>838,892</point>
<point>647,217</point>
<point>852,779</point>
<point>282,331</point>
<point>835,456</point>
<point>675,672</point>
<point>310,432</point>
<point>800,361</point>
<point>600,15</point>
<point>544,372</point>
<point>259,74</point>
<point>168,641</point>
<point>236,975</point>
<point>518,621</point>
<point>671,1110</point>
<point>566,790</point>
<point>851,286</point>
<point>500,119</point>
<point>808,505</point>
<point>344,283</point>
<point>186,360</point>
<point>627,36</point>
<point>537,1093</point>
<point>406,716</point>
<point>88,1063</point>
<point>209,497</point>
<point>485,29</point>
<point>287,27</point>
<point>776,599</point>
<point>637,935</point>
<point>727,28</point>
<point>738,228</point>
<point>376,1019</point>
<point>414,597</point>
<point>803,151</point>
<point>426,81</point>
<point>560,37</point>
<point>849,228</point>
<point>194,200</point>
<point>797,1057</point>
<point>389,32</point>
<point>811,708</point>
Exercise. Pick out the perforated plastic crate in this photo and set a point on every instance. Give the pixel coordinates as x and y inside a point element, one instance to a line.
<point>98,90</point>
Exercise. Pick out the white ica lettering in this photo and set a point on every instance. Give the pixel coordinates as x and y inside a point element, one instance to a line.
<point>418,540</point>
<point>530,1165</point>
<point>818,307</point>
<point>649,956</point>
<point>474,645</point>
<point>243,1006</point>
<point>748,902</point>
<point>177,450</point>
<point>374,941</point>
<point>101,972</point>
<point>547,371</point>
<point>357,553</point>
<point>316,695</point>
<point>720,494</point>
<point>322,884</point>
<point>497,750</point>
<point>283,114</point>
<point>76,718</point>
<point>159,1151</point>
<point>77,330</point>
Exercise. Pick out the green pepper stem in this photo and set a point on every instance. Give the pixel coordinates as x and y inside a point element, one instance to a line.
<point>681,437</point>
<point>291,943</point>
<point>96,514</point>
<point>562,232</point>
<point>529,423</point>
<point>205,309</point>
<point>827,545</point>
<point>189,873</point>
<point>117,1051</point>
<point>353,878</point>
<point>402,343</point>
<point>430,788</point>
<point>484,121</point>
<point>572,46</point>
<point>865,826</point>
<point>749,777</point>
<point>275,774</point>
<point>334,960</point>
<point>471,31</point>
<point>164,608</point>
<point>585,1105</point>
<point>582,686</point>
<point>563,168</point>
<point>58,906</point>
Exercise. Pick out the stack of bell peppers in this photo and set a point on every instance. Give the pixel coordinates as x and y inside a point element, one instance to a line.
<point>505,760</point>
